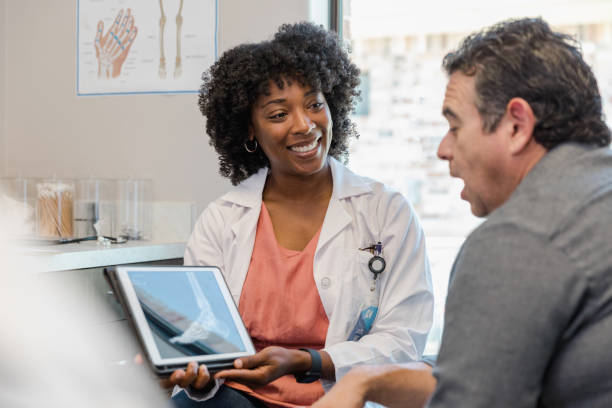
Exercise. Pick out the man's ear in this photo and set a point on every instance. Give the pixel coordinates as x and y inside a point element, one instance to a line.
<point>521,116</point>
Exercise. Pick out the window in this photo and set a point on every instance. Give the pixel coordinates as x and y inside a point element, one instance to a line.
<point>399,47</point>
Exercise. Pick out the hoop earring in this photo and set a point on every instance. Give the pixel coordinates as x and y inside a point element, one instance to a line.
<point>250,150</point>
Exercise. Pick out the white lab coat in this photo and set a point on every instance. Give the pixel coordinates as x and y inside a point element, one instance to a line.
<point>361,212</point>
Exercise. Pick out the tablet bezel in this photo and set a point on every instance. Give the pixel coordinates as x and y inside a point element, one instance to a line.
<point>144,331</point>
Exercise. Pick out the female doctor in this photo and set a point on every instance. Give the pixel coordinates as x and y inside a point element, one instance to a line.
<point>328,268</point>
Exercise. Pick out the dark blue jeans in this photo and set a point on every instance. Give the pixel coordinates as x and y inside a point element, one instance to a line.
<point>224,398</point>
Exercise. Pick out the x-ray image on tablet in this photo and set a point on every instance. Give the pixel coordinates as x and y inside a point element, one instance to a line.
<point>183,314</point>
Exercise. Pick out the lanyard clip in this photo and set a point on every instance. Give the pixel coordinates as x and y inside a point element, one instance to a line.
<point>374,249</point>
<point>378,249</point>
<point>377,263</point>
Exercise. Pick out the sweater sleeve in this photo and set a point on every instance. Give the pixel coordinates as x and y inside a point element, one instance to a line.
<point>511,296</point>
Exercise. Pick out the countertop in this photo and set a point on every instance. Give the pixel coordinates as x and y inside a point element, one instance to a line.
<point>91,254</point>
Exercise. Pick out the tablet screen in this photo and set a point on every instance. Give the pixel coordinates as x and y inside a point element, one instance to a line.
<point>188,312</point>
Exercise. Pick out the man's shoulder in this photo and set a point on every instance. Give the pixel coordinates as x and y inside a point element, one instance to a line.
<point>565,211</point>
<point>487,236</point>
<point>567,185</point>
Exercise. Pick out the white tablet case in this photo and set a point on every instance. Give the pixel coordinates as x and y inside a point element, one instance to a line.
<point>182,314</point>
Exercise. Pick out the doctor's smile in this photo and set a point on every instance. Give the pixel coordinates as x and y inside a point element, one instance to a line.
<point>305,147</point>
<point>293,125</point>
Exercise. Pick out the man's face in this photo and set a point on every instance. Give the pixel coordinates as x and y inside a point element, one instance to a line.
<point>478,158</point>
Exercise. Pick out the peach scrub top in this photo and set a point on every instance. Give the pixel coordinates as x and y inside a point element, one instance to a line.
<point>281,306</point>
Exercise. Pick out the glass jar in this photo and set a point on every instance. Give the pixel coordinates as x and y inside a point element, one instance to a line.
<point>54,208</point>
<point>95,208</point>
<point>22,193</point>
<point>134,220</point>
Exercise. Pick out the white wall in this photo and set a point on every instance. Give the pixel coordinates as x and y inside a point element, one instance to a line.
<point>50,131</point>
<point>3,152</point>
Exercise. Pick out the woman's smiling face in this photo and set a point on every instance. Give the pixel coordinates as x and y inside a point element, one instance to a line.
<point>293,126</point>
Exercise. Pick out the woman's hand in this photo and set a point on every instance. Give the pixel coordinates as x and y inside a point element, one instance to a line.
<point>266,366</point>
<point>194,376</point>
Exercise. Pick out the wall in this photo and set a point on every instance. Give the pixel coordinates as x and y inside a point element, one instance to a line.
<point>3,152</point>
<point>50,131</point>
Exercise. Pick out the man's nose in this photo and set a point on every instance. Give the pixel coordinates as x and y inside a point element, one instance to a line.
<point>444,150</point>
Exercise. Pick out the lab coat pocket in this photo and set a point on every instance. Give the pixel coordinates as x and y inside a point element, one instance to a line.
<point>366,290</point>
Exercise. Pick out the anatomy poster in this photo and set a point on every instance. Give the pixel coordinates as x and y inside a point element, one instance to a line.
<point>144,46</point>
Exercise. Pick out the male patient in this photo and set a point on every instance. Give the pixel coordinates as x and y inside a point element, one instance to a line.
<point>529,311</point>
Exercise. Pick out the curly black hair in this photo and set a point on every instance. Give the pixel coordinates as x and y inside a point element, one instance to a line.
<point>302,52</point>
<point>524,58</point>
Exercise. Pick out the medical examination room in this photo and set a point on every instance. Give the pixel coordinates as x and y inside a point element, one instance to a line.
<point>306,203</point>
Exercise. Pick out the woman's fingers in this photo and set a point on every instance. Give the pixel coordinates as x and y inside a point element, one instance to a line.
<point>257,376</point>
<point>203,377</point>
<point>173,380</point>
<point>190,375</point>
<point>197,377</point>
<point>251,361</point>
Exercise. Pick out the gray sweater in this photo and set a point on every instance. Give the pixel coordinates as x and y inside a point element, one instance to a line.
<point>529,312</point>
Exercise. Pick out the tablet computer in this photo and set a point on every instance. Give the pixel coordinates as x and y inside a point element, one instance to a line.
<point>182,314</point>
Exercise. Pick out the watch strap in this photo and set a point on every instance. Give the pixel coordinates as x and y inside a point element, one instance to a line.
<point>314,373</point>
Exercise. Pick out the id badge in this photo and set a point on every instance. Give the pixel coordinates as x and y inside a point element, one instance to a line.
<point>367,314</point>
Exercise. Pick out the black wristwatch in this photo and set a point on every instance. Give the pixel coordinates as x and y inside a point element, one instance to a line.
<point>314,373</point>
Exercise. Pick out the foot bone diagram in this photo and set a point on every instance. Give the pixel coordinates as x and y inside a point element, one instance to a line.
<point>178,69</point>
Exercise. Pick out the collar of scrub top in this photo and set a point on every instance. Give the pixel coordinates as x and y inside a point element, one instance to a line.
<point>346,184</point>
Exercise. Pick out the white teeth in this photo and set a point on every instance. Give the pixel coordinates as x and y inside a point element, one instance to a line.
<point>303,149</point>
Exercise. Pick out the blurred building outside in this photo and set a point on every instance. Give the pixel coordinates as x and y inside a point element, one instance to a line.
<point>399,46</point>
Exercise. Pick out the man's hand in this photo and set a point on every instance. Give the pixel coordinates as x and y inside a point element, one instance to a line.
<point>406,386</point>
<point>194,376</point>
<point>349,392</point>
<point>266,366</point>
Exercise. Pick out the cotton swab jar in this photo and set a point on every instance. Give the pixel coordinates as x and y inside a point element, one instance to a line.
<point>54,208</point>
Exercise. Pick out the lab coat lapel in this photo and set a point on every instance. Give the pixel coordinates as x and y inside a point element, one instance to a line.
<point>346,184</point>
<point>243,241</point>
<point>336,219</point>
<point>249,196</point>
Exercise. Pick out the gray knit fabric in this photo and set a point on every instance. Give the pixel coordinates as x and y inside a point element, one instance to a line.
<point>529,312</point>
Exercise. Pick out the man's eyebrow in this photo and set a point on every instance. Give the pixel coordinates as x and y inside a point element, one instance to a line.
<point>448,113</point>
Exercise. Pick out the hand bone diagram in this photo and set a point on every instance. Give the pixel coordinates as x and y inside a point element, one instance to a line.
<point>113,48</point>
<point>178,70</point>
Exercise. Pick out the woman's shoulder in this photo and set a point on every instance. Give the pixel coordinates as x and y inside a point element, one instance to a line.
<point>233,203</point>
<point>374,203</point>
<point>220,211</point>
<point>364,188</point>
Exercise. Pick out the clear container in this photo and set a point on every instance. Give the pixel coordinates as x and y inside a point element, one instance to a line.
<point>54,208</point>
<point>22,193</point>
<point>134,220</point>
<point>95,208</point>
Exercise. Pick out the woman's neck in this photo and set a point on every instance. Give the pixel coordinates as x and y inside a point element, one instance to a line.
<point>287,187</point>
